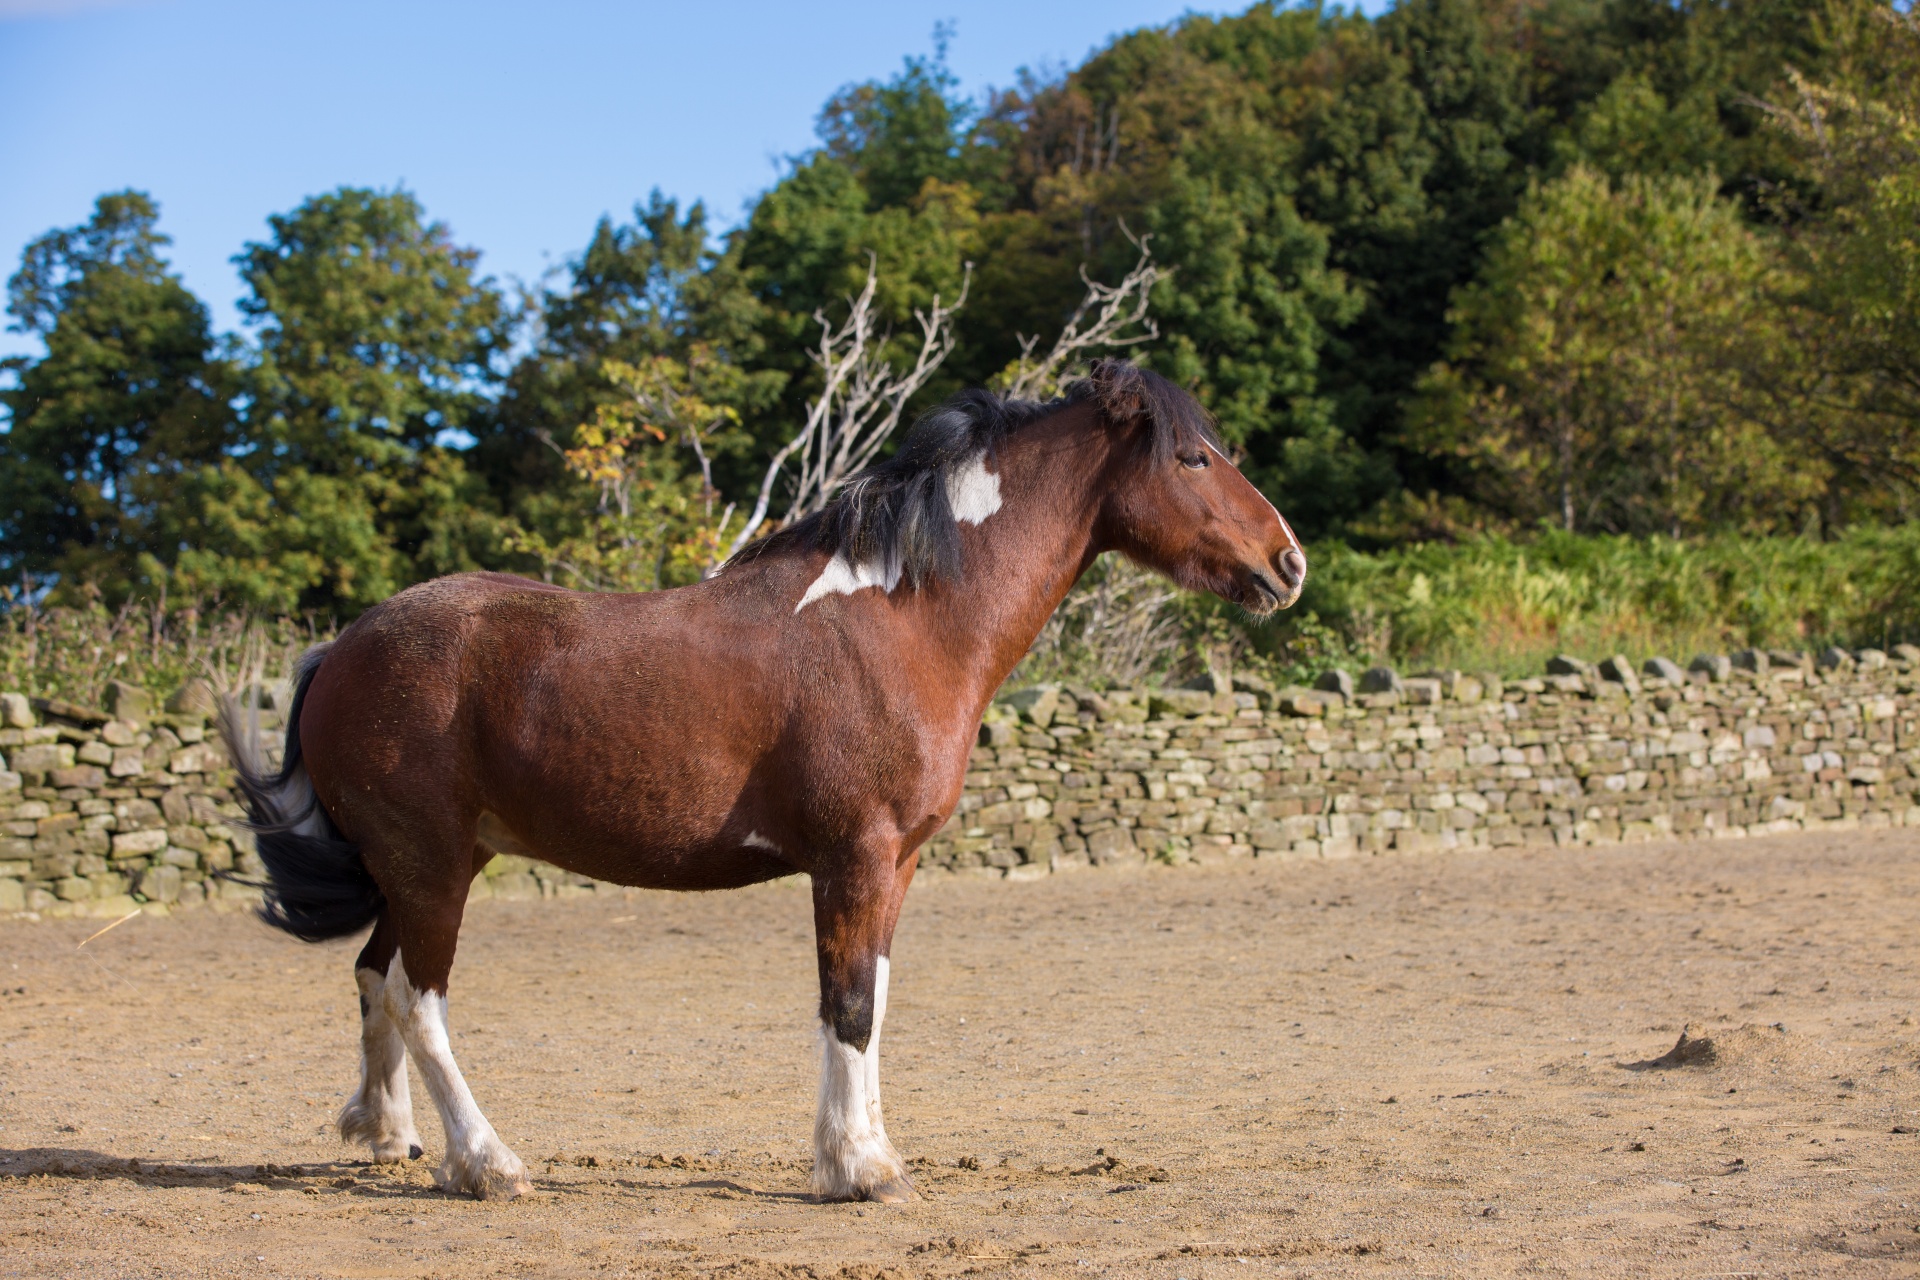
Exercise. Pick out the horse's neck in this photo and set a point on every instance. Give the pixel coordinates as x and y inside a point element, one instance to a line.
<point>1021,560</point>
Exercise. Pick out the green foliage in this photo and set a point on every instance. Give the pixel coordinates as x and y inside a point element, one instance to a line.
<point>130,395</point>
<point>651,287</point>
<point>1855,360</point>
<point>1461,268</point>
<point>657,521</point>
<point>376,343</point>
<point>1492,603</point>
<point>1594,374</point>
<point>73,651</point>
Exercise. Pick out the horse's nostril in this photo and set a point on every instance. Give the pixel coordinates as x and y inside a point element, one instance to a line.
<point>1293,567</point>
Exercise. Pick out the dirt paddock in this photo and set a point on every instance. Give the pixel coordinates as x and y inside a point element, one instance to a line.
<point>1378,1067</point>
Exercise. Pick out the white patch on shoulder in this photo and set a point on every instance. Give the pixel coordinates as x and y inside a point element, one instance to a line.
<point>973,491</point>
<point>755,840</point>
<point>842,578</point>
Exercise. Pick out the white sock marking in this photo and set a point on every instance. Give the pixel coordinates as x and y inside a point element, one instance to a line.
<point>477,1162</point>
<point>380,1113</point>
<point>851,1153</point>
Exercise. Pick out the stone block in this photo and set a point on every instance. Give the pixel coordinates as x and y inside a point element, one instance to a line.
<point>1832,658</point>
<point>1267,835</point>
<point>94,753</point>
<point>1180,703</point>
<point>1036,705</point>
<point>1619,671</point>
<point>159,884</point>
<point>136,814</point>
<point>129,702</point>
<point>73,889</point>
<point>1714,666</point>
<point>43,757</point>
<point>1755,660</point>
<point>1304,702</point>
<point>195,697</point>
<point>1381,680</point>
<point>1336,680</point>
<point>202,757</point>
<point>1114,844</point>
<point>1870,659</point>
<point>89,776</point>
<point>138,844</point>
<point>1409,840</point>
<point>1422,691</point>
<point>1663,669</point>
<point>13,895</point>
<point>15,711</point>
<point>1565,664</point>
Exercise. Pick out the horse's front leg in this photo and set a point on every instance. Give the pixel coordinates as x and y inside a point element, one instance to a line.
<point>854,910</point>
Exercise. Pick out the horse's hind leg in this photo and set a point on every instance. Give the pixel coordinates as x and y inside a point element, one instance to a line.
<point>477,1162</point>
<point>380,1113</point>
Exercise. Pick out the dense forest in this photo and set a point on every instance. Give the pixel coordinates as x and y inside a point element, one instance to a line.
<point>1473,274</point>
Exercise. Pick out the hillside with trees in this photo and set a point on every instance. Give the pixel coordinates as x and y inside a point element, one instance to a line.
<point>1474,282</point>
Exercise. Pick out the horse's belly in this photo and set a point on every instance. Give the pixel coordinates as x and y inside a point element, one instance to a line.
<point>722,864</point>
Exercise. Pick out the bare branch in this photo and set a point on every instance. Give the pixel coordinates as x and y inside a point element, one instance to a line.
<point>861,401</point>
<point>1118,319</point>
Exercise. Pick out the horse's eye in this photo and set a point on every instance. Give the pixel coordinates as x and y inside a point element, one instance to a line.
<point>1196,462</point>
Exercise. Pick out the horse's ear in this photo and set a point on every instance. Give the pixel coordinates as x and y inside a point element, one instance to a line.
<point>1119,390</point>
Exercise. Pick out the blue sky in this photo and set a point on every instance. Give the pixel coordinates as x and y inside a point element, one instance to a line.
<point>516,124</point>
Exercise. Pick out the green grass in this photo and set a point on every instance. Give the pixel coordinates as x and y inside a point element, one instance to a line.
<point>1506,606</point>
<point>1493,604</point>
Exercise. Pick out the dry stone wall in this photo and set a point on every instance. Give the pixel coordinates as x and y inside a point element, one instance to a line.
<point>105,809</point>
<point>1588,755</point>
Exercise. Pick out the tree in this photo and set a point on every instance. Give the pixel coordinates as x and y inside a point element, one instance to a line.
<point>376,350</point>
<point>1856,247</point>
<point>131,393</point>
<point>652,287</point>
<point>1595,374</point>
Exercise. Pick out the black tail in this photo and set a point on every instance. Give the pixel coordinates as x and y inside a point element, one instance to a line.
<point>317,885</point>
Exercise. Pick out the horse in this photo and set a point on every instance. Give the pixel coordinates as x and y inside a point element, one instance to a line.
<point>809,708</point>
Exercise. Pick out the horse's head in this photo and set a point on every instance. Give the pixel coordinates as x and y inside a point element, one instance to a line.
<point>1178,505</point>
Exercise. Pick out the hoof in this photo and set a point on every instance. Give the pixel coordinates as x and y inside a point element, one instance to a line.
<point>504,1187</point>
<point>895,1190</point>
<point>485,1175</point>
<point>396,1151</point>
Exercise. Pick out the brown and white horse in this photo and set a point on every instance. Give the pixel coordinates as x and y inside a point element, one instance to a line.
<point>810,708</point>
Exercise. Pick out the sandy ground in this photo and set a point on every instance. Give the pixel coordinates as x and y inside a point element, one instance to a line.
<point>1380,1067</point>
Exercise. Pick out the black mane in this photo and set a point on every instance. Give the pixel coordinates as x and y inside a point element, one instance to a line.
<point>897,513</point>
